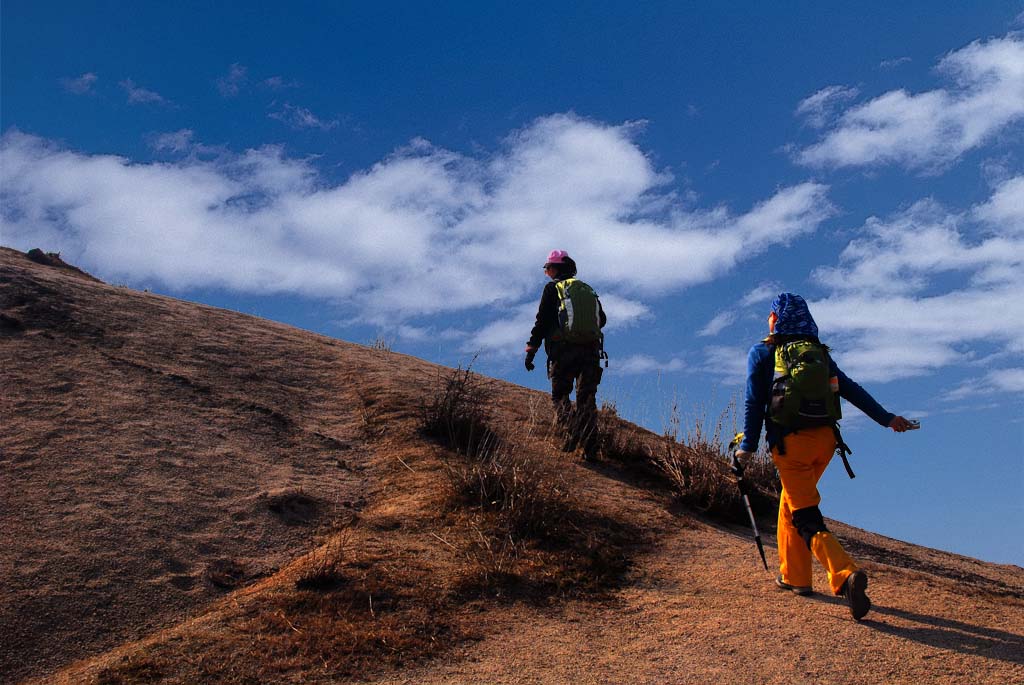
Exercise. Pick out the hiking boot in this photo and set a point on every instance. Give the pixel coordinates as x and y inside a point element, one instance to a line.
<point>802,590</point>
<point>854,589</point>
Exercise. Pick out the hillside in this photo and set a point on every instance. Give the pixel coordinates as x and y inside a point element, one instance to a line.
<point>195,495</point>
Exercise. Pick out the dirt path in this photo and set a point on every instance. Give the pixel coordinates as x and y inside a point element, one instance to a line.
<point>701,610</point>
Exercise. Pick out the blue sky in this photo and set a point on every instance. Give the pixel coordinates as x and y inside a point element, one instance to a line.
<point>400,170</point>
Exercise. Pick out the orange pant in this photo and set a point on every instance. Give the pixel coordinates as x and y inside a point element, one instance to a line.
<point>808,454</point>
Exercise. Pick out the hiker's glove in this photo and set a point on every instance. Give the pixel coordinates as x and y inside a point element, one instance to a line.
<point>737,464</point>
<point>529,360</point>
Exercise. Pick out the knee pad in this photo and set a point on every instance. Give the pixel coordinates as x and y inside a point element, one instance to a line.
<point>808,523</point>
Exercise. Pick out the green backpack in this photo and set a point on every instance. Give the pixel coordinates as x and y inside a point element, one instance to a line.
<point>804,392</point>
<point>579,318</point>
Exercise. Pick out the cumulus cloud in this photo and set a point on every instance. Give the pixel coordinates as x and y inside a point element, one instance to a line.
<point>140,96</point>
<point>300,117</point>
<point>929,130</point>
<point>423,231</point>
<point>928,287</point>
<point>81,85</point>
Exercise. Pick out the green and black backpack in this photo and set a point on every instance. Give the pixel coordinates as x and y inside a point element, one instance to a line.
<point>804,392</point>
<point>579,313</point>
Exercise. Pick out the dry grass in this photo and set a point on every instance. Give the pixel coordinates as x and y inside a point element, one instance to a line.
<point>524,533</point>
<point>382,344</point>
<point>693,458</point>
<point>371,414</point>
<point>325,570</point>
<point>346,615</point>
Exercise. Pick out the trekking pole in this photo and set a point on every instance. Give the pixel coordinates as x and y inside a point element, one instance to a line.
<point>744,486</point>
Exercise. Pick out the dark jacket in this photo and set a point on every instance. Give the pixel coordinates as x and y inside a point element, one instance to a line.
<point>547,318</point>
<point>761,373</point>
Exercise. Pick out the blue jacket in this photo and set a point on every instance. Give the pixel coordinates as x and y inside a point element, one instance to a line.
<point>761,373</point>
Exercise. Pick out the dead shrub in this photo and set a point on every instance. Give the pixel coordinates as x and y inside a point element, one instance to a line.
<point>626,445</point>
<point>528,497</point>
<point>493,561</point>
<point>458,413</point>
<point>526,534</point>
<point>324,569</point>
<point>692,459</point>
<point>696,463</point>
<point>382,344</point>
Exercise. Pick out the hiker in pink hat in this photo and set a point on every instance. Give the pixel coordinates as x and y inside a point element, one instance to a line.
<point>569,321</point>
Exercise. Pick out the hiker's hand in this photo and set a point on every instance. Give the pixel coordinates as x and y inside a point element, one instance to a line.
<point>530,354</point>
<point>899,424</point>
<point>740,456</point>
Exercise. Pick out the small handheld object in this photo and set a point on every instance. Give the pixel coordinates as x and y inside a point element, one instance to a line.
<point>914,424</point>
<point>737,468</point>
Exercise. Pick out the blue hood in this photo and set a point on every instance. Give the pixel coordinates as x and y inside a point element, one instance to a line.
<point>794,316</point>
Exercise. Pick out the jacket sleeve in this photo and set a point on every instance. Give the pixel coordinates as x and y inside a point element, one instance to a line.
<point>859,397</point>
<point>547,316</point>
<point>760,368</point>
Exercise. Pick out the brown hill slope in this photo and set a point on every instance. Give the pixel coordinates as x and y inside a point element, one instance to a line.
<point>169,472</point>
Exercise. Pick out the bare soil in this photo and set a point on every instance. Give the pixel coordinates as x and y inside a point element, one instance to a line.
<point>171,474</point>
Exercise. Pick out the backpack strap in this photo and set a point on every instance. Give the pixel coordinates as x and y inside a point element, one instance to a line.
<point>843,450</point>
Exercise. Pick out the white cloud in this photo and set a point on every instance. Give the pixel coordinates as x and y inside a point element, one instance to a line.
<point>81,85</point>
<point>623,312</point>
<point>645,364</point>
<point>729,363</point>
<point>1005,209</point>
<point>893,63</point>
<point>178,141</point>
<point>927,288</point>
<point>1008,381</point>
<point>231,83</point>
<point>507,334</point>
<point>819,108</point>
<point>762,295</point>
<point>300,117</point>
<point>718,323</point>
<point>422,232</point>
<point>139,96</point>
<point>278,83</point>
<point>426,334</point>
<point>931,129</point>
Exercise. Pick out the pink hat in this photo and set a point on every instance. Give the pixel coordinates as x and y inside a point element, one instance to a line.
<point>556,257</point>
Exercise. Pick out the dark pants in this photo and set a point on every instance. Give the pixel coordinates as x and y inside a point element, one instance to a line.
<point>579,364</point>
